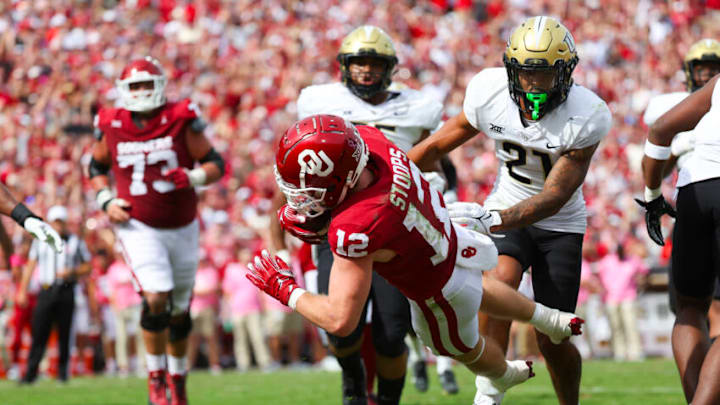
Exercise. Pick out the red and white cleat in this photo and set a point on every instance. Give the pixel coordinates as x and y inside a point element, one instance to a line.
<point>176,385</point>
<point>157,388</point>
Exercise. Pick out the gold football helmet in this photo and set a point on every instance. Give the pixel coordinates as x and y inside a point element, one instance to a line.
<point>705,50</point>
<point>540,44</point>
<point>372,41</point>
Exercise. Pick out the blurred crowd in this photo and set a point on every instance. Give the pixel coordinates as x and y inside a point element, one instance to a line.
<point>244,62</point>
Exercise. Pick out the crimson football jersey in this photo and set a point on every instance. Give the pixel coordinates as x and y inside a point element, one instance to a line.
<point>399,212</point>
<point>140,156</point>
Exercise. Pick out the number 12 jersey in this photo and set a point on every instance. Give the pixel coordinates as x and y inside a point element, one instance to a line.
<point>401,213</point>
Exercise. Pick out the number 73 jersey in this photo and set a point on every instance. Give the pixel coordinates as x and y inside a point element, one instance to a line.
<point>140,157</point>
<point>527,154</point>
<point>399,216</point>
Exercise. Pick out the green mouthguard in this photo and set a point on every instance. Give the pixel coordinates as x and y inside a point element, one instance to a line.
<point>536,99</point>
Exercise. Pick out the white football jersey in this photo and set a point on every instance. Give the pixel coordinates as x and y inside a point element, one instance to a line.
<point>526,154</point>
<point>402,118</point>
<point>705,161</point>
<point>658,106</point>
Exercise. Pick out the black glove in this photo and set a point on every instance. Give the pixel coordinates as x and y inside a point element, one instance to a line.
<point>654,210</point>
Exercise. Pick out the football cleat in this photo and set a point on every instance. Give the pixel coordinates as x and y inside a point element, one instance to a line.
<point>448,383</point>
<point>176,386</point>
<point>420,377</point>
<point>157,388</point>
<point>491,392</point>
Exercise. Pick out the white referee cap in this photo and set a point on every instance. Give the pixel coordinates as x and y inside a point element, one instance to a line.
<point>57,213</point>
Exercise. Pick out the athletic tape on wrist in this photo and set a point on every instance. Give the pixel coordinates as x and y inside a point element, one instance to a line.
<point>103,197</point>
<point>294,296</point>
<point>197,176</point>
<point>657,152</point>
<point>651,194</point>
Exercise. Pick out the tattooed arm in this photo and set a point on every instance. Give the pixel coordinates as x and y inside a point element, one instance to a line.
<point>566,176</point>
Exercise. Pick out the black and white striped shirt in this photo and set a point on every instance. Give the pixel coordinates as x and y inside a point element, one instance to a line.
<point>50,263</point>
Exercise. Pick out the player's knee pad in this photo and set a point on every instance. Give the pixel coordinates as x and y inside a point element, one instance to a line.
<point>390,347</point>
<point>344,342</point>
<point>180,329</point>
<point>180,299</point>
<point>153,322</point>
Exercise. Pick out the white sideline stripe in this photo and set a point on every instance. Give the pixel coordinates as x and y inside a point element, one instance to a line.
<point>603,390</point>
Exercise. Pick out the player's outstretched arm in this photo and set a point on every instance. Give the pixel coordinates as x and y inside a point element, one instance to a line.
<point>456,131</point>
<point>564,178</point>
<point>339,311</point>
<point>28,220</point>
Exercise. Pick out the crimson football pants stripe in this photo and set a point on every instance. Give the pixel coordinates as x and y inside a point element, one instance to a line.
<point>452,323</point>
<point>434,329</point>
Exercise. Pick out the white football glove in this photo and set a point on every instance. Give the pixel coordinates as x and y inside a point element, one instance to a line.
<point>436,180</point>
<point>44,232</point>
<point>475,217</point>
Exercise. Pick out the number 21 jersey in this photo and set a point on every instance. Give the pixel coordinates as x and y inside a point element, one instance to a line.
<point>526,154</point>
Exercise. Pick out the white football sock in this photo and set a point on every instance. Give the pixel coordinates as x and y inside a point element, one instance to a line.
<point>443,364</point>
<point>177,365</point>
<point>155,362</point>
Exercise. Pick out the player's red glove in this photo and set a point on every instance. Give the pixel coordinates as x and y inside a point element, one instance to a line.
<point>312,231</point>
<point>272,275</point>
<point>179,176</point>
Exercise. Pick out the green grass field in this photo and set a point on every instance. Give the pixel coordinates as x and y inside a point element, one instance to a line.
<point>604,383</point>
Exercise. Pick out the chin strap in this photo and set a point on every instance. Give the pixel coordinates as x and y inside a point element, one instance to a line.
<point>536,99</point>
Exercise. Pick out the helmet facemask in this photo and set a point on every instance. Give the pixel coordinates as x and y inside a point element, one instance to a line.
<point>366,92</point>
<point>538,103</point>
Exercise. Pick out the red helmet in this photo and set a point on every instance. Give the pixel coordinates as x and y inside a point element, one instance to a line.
<point>319,158</point>
<point>137,71</point>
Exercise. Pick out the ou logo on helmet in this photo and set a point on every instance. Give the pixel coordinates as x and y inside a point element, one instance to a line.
<point>311,162</point>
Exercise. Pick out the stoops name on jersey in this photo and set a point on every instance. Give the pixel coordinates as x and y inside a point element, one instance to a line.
<point>401,182</point>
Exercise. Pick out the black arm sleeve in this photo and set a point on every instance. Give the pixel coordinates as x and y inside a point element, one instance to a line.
<point>213,156</point>
<point>97,168</point>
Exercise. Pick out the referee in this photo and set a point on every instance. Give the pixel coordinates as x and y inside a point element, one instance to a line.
<point>57,274</point>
